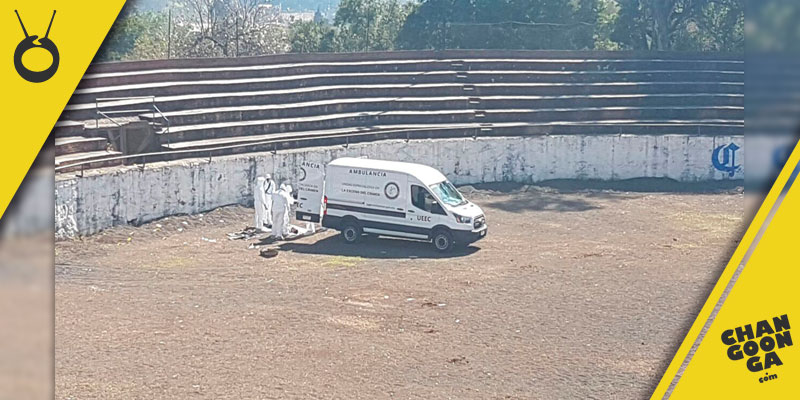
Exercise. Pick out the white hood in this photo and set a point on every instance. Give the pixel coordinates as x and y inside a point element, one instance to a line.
<point>467,209</point>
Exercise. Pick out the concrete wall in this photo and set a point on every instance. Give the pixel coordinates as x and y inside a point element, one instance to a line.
<point>131,195</point>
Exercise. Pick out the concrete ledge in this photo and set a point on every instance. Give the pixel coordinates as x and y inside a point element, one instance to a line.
<point>201,72</point>
<point>291,96</point>
<point>384,104</point>
<point>408,55</point>
<point>173,88</point>
<point>132,195</point>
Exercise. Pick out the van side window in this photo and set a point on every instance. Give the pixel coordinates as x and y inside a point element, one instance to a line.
<point>422,199</point>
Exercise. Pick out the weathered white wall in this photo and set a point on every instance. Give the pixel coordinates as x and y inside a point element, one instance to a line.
<point>130,195</point>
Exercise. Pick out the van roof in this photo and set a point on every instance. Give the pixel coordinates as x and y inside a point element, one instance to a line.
<point>427,175</point>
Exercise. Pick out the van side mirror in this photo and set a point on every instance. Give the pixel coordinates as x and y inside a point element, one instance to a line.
<point>436,208</point>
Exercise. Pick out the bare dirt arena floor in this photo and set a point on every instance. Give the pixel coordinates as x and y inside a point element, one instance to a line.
<point>575,293</point>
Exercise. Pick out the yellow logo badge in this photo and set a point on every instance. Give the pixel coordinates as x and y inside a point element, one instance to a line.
<point>61,46</point>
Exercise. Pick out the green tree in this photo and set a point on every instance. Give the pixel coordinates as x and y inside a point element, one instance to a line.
<point>772,26</point>
<point>359,25</point>
<point>199,28</point>
<point>311,37</point>
<point>680,25</point>
<point>136,35</point>
<point>607,13</point>
<point>496,24</point>
<point>366,25</point>
<point>229,28</point>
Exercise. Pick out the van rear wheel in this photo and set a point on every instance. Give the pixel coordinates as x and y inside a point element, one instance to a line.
<point>443,240</point>
<point>351,232</point>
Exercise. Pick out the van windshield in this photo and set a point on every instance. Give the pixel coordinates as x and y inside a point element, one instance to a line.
<point>448,194</point>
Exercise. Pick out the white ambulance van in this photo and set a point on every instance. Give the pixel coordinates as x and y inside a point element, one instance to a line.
<point>389,198</point>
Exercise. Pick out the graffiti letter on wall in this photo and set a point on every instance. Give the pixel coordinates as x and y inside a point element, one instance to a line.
<point>724,159</point>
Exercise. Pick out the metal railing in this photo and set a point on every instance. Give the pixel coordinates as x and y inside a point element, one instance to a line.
<point>101,102</point>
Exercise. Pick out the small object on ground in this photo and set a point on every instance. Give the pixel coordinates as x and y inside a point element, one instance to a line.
<point>205,239</point>
<point>265,241</point>
<point>245,234</point>
<point>458,360</point>
<point>296,232</point>
<point>268,253</point>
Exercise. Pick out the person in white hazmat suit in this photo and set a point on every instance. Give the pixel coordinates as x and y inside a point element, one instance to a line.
<point>269,191</point>
<point>281,206</point>
<point>262,202</point>
<point>259,204</point>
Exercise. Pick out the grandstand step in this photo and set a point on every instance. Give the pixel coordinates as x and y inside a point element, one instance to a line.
<point>170,103</point>
<point>417,55</point>
<point>244,144</point>
<point>78,144</point>
<point>86,160</point>
<point>367,119</point>
<point>68,128</point>
<point>88,95</point>
<point>303,95</point>
<point>307,109</point>
<point>308,68</point>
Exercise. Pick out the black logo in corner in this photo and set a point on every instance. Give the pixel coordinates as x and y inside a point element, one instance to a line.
<point>30,42</point>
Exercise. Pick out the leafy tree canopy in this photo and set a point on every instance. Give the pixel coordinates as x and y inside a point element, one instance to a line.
<point>680,25</point>
<point>359,25</point>
<point>494,24</point>
<point>231,28</point>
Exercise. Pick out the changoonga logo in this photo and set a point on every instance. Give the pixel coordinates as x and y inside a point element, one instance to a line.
<point>760,344</point>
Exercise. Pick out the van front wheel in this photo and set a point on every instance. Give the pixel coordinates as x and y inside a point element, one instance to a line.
<point>443,240</point>
<point>351,232</point>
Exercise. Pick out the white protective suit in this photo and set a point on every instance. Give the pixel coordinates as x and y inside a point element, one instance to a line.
<point>269,191</point>
<point>281,205</point>
<point>262,214</point>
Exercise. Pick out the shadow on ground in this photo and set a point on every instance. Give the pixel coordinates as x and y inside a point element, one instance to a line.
<point>640,185</point>
<point>543,202</point>
<point>375,247</point>
<point>578,195</point>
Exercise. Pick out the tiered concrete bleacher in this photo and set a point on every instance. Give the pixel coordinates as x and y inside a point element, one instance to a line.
<point>74,145</point>
<point>249,104</point>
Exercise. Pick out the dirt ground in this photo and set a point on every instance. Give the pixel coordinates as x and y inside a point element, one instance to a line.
<point>575,293</point>
<point>26,317</point>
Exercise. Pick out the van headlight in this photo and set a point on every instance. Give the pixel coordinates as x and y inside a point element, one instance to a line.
<point>463,220</point>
